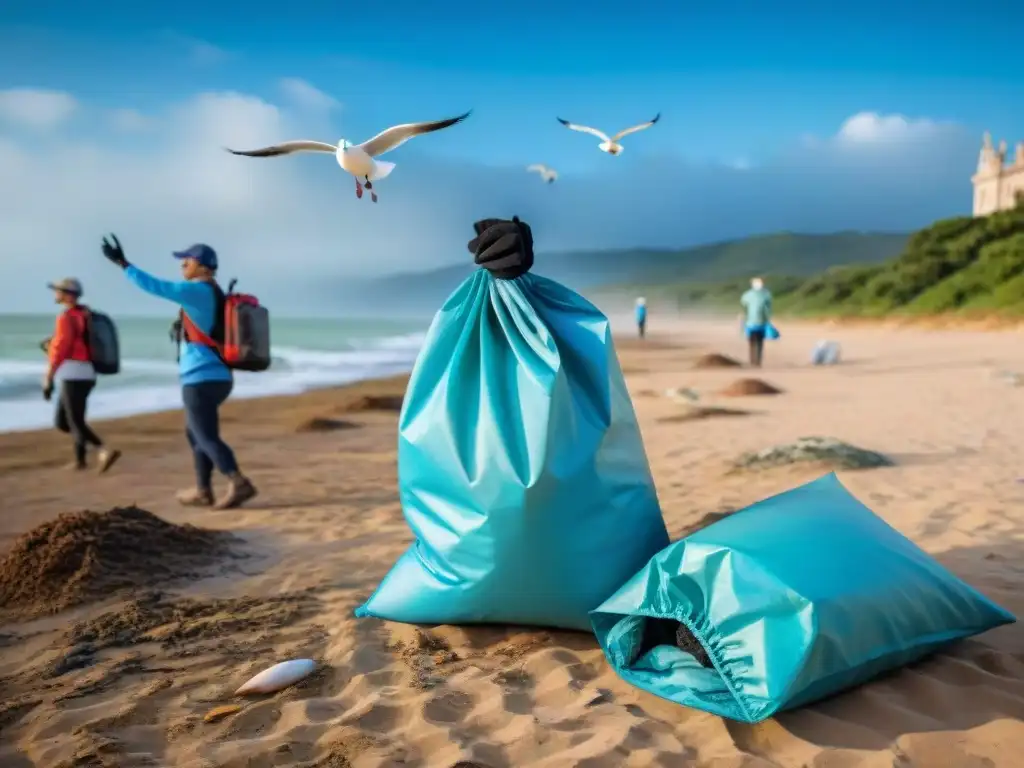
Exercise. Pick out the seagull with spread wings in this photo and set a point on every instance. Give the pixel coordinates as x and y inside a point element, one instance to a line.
<point>359,159</point>
<point>608,144</point>
<point>548,174</point>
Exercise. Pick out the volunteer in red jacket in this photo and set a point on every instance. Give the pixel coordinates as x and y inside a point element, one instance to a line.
<point>70,365</point>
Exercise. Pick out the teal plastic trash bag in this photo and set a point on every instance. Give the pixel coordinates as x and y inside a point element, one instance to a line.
<point>521,469</point>
<point>793,599</point>
<point>771,332</point>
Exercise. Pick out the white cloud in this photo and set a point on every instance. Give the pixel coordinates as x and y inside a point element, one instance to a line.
<point>278,222</point>
<point>873,128</point>
<point>306,96</point>
<point>36,107</point>
<point>128,120</point>
<point>198,52</point>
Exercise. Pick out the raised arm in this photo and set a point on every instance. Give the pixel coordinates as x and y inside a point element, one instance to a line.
<point>186,294</point>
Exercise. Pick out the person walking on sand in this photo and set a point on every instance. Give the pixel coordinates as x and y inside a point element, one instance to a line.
<point>641,316</point>
<point>70,364</point>
<point>757,316</point>
<point>206,381</point>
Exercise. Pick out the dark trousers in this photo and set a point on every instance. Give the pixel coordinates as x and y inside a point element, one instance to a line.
<point>70,416</point>
<point>641,327</point>
<point>756,341</point>
<point>202,428</point>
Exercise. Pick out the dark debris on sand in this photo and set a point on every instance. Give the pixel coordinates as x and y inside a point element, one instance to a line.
<point>156,618</point>
<point>818,450</point>
<point>235,625</point>
<point>715,360</point>
<point>699,413</point>
<point>364,403</point>
<point>748,387</point>
<point>325,424</point>
<point>80,557</point>
<point>707,520</point>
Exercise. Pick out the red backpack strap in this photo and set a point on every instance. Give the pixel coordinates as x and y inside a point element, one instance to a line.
<point>193,334</point>
<point>192,331</point>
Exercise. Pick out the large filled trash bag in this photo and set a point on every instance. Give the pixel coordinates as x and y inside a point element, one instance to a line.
<point>791,600</point>
<point>521,469</point>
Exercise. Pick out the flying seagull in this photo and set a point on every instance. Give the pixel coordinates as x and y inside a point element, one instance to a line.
<point>548,174</point>
<point>358,159</point>
<point>609,145</point>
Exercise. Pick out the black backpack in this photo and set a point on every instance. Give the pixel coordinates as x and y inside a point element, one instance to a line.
<point>101,339</point>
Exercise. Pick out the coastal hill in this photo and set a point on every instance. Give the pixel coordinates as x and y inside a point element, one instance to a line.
<point>797,255</point>
<point>964,265</point>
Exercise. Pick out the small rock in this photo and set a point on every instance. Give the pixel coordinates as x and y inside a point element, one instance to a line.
<point>78,657</point>
<point>445,657</point>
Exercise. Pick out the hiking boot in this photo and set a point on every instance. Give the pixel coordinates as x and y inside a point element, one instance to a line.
<point>107,457</point>
<point>240,490</point>
<point>195,497</point>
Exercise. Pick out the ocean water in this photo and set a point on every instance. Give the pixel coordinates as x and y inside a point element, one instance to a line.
<point>307,354</point>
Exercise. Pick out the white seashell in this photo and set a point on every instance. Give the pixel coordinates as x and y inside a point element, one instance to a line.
<point>682,393</point>
<point>277,677</point>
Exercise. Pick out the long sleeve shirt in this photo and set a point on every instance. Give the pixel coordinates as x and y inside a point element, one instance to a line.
<point>197,362</point>
<point>68,350</point>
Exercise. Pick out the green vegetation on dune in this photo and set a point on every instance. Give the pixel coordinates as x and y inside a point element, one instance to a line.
<point>966,265</point>
<point>716,274</point>
<point>963,265</point>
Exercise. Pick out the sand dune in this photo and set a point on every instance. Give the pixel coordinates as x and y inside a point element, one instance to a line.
<point>128,682</point>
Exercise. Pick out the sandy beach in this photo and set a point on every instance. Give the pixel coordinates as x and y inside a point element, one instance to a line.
<point>127,680</point>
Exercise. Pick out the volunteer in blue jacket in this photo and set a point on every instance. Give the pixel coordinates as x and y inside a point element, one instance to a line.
<point>641,316</point>
<point>756,318</point>
<point>206,381</point>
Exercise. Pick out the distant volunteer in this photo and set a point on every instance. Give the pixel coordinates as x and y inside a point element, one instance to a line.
<point>206,378</point>
<point>757,317</point>
<point>641,316</point>
<point>70,364</point>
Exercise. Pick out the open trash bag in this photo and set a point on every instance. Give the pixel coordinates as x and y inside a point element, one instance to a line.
<point>521,469</point>
<point>791,600</point>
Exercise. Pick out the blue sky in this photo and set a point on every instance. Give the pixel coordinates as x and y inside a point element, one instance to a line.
<point>737,84</point>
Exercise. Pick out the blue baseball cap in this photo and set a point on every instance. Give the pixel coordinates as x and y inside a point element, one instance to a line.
<point>204,254</point>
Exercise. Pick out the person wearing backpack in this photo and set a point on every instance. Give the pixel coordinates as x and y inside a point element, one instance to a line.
<point>206,379</point>
<point>70,363</point>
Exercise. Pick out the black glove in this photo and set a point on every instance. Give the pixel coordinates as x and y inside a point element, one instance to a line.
<point>45,345</point>
<point>48,391</point>
<point>504,248</point>
<point>114,253</point>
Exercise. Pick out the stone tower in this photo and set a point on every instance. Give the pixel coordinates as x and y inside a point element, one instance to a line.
<point>997,186</point>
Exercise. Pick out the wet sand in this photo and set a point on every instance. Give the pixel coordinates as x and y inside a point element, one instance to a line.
<point>126,682</point>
